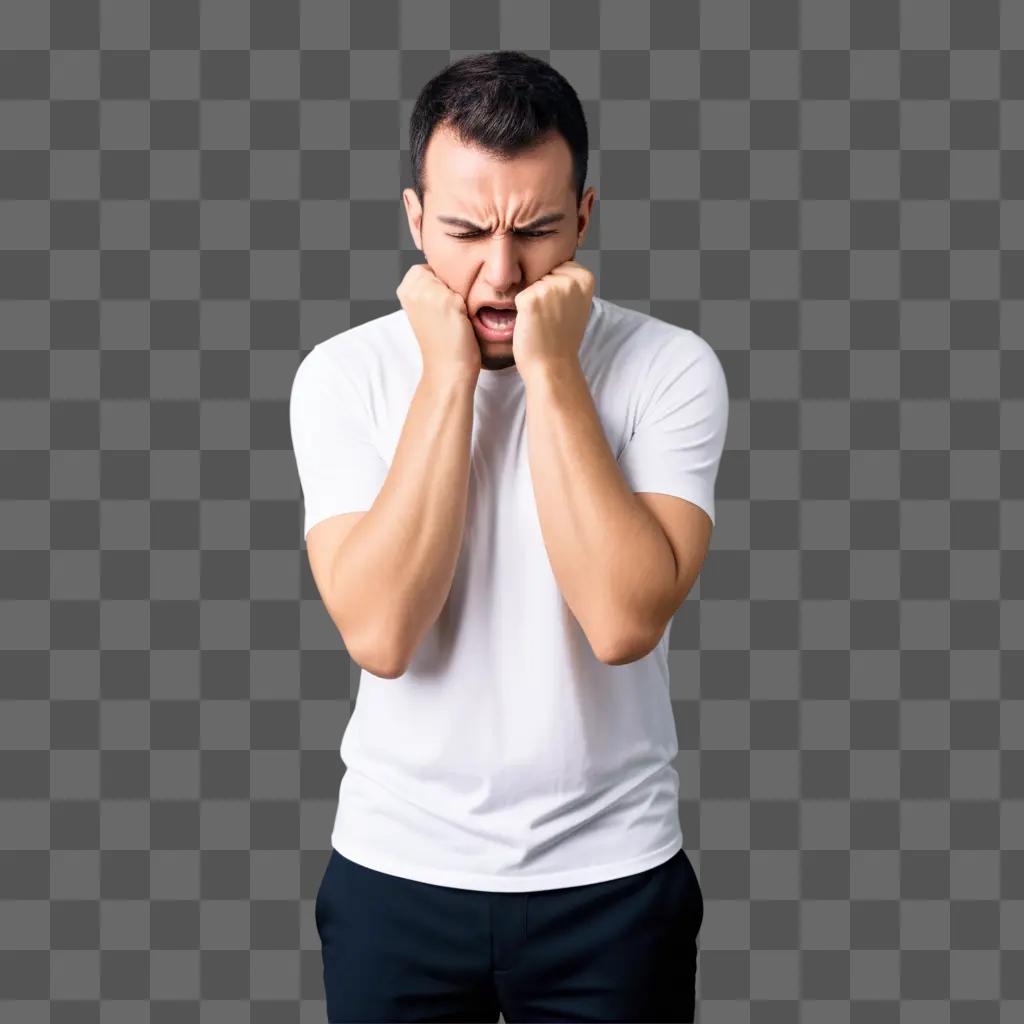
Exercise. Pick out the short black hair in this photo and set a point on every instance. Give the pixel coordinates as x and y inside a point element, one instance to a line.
<point>504,101</point>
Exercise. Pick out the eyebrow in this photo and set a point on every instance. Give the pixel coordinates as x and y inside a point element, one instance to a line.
<point>548,218</point>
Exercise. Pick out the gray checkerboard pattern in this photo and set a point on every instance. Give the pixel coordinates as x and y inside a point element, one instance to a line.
<point>832,193</point>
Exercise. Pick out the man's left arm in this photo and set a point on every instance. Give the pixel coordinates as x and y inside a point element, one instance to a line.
<point>614,563</point>
<point>625,537</point>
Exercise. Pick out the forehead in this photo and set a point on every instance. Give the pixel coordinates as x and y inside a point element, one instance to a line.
<point>456,170</point>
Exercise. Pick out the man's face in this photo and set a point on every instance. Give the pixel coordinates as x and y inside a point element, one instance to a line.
<point>496,199</point>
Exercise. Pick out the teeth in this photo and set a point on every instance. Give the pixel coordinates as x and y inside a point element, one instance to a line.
<point>498,320</point>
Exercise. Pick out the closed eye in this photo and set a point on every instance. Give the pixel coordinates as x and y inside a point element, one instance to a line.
<point>524,234</point>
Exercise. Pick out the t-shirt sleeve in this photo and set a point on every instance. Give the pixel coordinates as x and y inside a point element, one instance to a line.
<point>681,424</point>
<point>339,467</point>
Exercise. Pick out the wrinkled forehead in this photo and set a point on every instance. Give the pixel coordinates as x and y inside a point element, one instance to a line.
<point>470,177</point>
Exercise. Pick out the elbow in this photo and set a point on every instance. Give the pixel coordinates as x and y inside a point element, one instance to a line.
<point>614,644</point>
<point>625,655</point>
<point>627,635</point>
<point>376,656</point>
<point>383,669</point>
<point>386,667</point>
<point>387,658</point>
<point>628,650</point>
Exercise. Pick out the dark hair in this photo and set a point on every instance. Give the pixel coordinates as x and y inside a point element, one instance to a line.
<point>504,101</point>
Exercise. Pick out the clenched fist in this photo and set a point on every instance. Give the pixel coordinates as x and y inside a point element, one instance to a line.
<point>441,324</point>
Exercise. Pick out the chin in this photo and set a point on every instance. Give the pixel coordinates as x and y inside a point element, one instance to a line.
<point>497,362</point>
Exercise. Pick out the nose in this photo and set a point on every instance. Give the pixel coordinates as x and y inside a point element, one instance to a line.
<point>501,270</point>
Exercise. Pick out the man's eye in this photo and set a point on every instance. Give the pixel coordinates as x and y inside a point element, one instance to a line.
<point>524,234</point>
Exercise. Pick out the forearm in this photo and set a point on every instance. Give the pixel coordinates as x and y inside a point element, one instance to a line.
<point>399,560</point>
<point>607,552</point>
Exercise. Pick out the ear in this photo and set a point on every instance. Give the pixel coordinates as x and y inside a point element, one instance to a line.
<point>583,215</point>
<point>414,214</point>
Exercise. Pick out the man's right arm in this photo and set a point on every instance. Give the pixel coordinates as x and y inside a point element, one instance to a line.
<point>386,584</point>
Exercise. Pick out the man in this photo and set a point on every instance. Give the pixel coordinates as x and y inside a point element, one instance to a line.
<point>503,511</point>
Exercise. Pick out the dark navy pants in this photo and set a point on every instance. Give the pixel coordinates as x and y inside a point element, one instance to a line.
<point>396,949</point>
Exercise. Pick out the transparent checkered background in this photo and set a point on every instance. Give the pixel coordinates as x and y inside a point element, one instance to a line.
<point>193,195</point>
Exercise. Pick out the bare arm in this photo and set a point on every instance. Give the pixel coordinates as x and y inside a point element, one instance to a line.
<point>611,559</point>
<point>390,578</point>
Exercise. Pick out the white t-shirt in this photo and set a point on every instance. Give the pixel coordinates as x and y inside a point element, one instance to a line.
<point>507,757</point>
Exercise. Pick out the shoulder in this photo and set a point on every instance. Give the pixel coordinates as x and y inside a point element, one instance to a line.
<point>356,356</point>
<point>361,344</point>
<point>659,348</point>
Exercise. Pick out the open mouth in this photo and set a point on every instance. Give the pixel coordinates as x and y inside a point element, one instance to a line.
<point>496,319</point>
<point>496,324</point>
